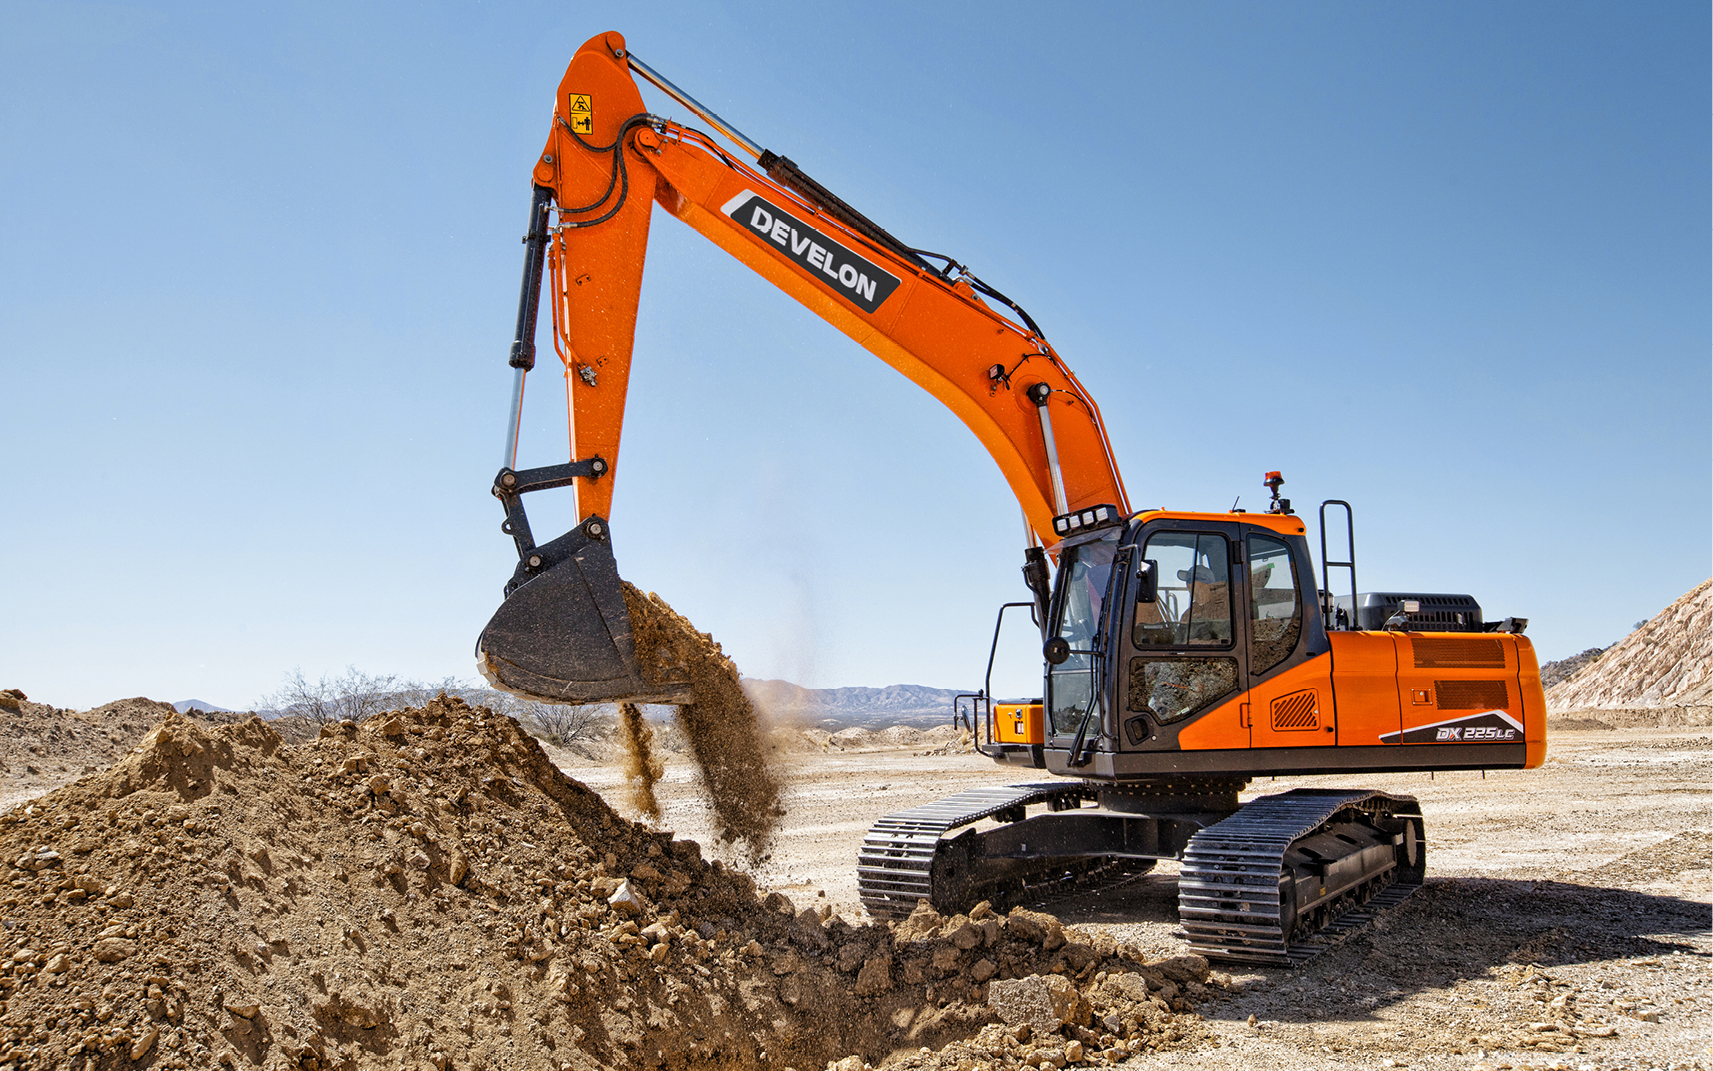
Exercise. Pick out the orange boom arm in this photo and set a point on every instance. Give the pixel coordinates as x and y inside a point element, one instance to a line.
<point>604,162</point>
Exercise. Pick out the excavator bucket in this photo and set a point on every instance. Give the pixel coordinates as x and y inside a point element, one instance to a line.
<point>564,635</point>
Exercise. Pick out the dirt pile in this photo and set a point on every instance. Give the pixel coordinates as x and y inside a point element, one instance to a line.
<point>724,734</point>
<point>1668,662</point>
<point>427,890</point>
<point>42,747</point>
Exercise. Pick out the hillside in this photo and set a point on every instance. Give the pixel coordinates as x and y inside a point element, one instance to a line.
<point>1668,662</point>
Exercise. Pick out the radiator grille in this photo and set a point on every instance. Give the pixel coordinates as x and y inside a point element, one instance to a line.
<point>1460,653</point>
<point>1471,695</point>
<point>1296,711</point>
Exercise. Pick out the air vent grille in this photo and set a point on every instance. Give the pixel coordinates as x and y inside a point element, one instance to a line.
<point>1471,695</point>
<point>1297,711</point>
<point>1461,653</point>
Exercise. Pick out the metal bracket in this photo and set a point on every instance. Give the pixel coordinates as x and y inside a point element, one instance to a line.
<point>510,485</point>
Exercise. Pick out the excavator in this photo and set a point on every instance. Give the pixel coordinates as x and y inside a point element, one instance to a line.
<point>1185,654</point>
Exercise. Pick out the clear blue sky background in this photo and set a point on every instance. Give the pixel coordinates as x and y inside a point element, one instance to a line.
<point>258,270</point>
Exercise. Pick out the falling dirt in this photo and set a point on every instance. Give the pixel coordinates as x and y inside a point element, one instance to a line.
<point>642,769</point>
<point>724,733</point>
<point>426,890</point>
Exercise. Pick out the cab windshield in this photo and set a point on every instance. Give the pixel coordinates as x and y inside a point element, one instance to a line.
<point>1083,571</point>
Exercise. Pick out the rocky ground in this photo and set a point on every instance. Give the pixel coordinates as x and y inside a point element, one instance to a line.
<point>430,890</point>
<point>1565,921</point>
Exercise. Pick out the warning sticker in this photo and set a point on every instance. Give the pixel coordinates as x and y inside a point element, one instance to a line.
<point>581,113</point>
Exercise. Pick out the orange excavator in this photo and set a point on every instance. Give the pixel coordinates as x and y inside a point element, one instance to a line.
<point>1185,654</point>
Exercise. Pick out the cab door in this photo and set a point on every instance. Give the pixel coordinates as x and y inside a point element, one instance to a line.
<point>1290,700</point>
<point>1182,665</point>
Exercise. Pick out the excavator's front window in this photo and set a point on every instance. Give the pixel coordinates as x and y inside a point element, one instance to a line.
<point>1084,572</point>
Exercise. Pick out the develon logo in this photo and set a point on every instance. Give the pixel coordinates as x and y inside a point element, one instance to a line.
<point>865,283</point>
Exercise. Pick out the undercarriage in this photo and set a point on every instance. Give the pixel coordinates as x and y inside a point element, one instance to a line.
<point>1264,882</point>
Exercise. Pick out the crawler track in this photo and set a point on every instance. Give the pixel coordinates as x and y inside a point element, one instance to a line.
<point>895,867</point>
<point>1230,885</point>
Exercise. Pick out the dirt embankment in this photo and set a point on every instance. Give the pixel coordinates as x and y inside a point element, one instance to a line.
<point>1660,675</point>
<point>427,890</point>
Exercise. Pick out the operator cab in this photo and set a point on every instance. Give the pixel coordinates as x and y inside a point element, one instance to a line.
<point>1188,644</point>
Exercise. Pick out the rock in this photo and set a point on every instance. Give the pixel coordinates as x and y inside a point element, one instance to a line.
<point>1078,955</point>
<point>40,859</point>
<point>849,1063</point>
<point>875,977</point>
<point>965,935</point>
<point>644,872</point>
<point>983,970</point>
<point>922,921</point>
<point>981,911</point>
<point>113,949</point>
<point>394,727</point>
<point>1183,969</point>
<point>1129,987</point>
<point>1036,927</point>
<point>459,869</point>
<point>58,964</point>
<point>1074,1052</point>
<point>779,903</point>
<point>380,785</point>
<point>1046,1003</point>
<point>144,1043</point>
<point>626,900</point>
<point>418,859</point>
<point>851,957</point>
<point>945,959</point>
<point>244,1011</point>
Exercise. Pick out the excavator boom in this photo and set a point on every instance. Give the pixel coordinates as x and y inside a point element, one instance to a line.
<point>562,633</point>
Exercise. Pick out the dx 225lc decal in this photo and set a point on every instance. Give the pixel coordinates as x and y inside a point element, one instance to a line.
<point>1485,727</point>
<point>865,283</point>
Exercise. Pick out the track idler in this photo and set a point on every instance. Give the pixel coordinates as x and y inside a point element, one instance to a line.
<point>563,634</point>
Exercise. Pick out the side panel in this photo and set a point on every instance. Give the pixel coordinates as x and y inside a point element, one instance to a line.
<point>1294,708</point>
<point>1365,681</point>
<point>1534,701</point>
<point>1459,688</point>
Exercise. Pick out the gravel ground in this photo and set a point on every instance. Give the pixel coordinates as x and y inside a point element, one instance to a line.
<point>1564,924</point>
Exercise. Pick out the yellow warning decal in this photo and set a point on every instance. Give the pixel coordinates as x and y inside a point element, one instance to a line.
<point>581,113</point>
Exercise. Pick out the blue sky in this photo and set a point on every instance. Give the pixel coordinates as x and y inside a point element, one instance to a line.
<point>258,272</point>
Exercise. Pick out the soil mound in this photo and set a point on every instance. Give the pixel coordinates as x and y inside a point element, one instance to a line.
<point>724,735</point>
<point>427,890</point>
<point>1668,662</point>
<point>43,747</point>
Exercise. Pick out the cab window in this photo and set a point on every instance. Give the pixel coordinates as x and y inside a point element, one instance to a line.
<point>1275,605</point>
<point>1084,571</point>
<point>1171,689</point>
<point>1192,607</point>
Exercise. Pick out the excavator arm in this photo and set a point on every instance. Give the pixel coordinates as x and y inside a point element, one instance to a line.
<point>563,633</point>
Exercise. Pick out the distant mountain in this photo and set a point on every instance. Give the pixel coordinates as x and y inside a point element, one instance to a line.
<point>846,708</point>
<point>184,706</point>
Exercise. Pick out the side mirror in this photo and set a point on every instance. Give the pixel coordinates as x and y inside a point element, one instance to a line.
<point>1056,650</point>
<point>1147,581</point>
